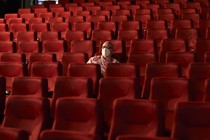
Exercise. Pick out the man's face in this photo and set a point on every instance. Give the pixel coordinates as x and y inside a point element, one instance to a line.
<point>107,49</point>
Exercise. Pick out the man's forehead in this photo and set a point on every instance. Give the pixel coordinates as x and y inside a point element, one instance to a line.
<point>106,43</point>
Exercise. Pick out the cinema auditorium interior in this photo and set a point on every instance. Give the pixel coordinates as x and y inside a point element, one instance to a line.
<point>159,90</point>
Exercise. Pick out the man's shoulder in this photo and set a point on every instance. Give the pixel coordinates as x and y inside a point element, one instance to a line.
<point>94,59</point>
<point>115,60</point>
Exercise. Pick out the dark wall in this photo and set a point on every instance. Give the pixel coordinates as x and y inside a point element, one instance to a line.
<point>9,6</point>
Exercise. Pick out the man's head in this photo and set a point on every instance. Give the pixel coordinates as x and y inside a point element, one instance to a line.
<point>107,49</point>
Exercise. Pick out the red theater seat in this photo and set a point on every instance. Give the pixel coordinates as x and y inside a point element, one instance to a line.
<point>139,117</point>
<point>169,91</point>
<point>196,126</point>
<point>92,71</point>
<point>26,113</point>
<point>113,88</point>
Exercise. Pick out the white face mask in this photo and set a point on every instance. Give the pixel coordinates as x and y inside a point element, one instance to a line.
<point>105,52</point>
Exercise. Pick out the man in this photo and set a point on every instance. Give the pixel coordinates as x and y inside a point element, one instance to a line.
<point>105,57</point>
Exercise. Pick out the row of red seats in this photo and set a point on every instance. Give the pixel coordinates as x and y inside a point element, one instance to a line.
<point>82,118</point>
<point>108,5</point>
<point>197,73</point>
<point>142,22</point>
<point>91,48</point>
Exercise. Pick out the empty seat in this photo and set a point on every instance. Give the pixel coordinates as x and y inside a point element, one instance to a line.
<point>75,9</point>
<point>26,36</point>
<point>85,14</point>
<point>65,15</point>
<point>172,45</point>
<point>14,20</point>
<point>44,15</point>
<point>95,19</point>
<point>17,27</point>
<point>124,12</point>
<point>180,23</point>
<point>40,10</point>
<point>34,20</point>
<point>27,17</point>
<point>156,24</point>
<point>13,134</point>
<point>140,117</point>
<point>51,20</point>
<point>73,19</point>
<point>194,4</point>
<point>128,36</point>
<point>7,16</point>
<point>119,18</point>
<point>49,70</point>
<point>175,6</point>
<point>154,7</point>
<point>93,8</point>
<point>10,70</point>
<point>111,89</point>
<point>39,28</point>
<point>158,35</point>
<point>31,115</point>
<point>28,48</point>
<point>49,35</point>
<point>198,124</point>
<point>3,27</point>
<point>106,13</point>
<point>83,26</point>
<point>202,46</point>
<point>143,3</point>
<point>168,17</point>
<point>56,47</point>
<point>29,86</point>
<point>198,73</point>
<point>56,10</point>
<point>188,34</point>
<point>40,57</point>
<point>78,115</point>
<point>12,57</point>
<point>24,11</point>
<point>68,58</point>
<point>6,36</point>
<point>112,8</point>
<point>158,70</point>
<point>107,25</point>
<point>129,25</point>
<point>184,59</point>
<point>143,18</point>
<point>169,91</point>
<point>141,59</point>
<point>74,35</point>
<point>86,70</point>
<point>143,46</point>
<point>82,46</point>
<point>122,70</point>
<point>61,27</point>
<point>7,46</point>
<point>132,8</point>
<point>195,17</point>
<point>77,87</point>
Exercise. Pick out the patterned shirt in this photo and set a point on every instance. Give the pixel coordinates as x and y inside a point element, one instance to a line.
<point>102,62</point>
